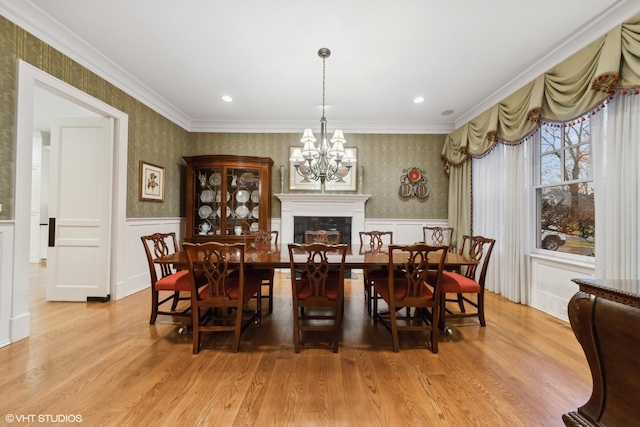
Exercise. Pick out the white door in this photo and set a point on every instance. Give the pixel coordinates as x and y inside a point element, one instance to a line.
<point>81,160</point>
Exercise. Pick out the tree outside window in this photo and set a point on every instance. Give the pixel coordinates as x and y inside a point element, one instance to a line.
<point>565,192</point>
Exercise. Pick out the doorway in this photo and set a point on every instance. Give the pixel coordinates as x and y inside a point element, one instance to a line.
<point>29,79</point>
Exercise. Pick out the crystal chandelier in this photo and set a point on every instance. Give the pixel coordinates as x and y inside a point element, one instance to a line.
<point>323,163</point>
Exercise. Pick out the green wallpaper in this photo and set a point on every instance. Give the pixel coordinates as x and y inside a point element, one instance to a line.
<point>383,158</point>
<point>157,140</point>
<point>152,137</point>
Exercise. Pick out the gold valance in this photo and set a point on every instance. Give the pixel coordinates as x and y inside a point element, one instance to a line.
<point>606,67</point>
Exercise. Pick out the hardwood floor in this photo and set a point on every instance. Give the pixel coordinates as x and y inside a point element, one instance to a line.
<point>104,362</point>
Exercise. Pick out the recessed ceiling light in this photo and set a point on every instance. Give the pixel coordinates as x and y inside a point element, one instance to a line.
<point>227,98</point>
<point>447,112</point>
<point>418,100</point>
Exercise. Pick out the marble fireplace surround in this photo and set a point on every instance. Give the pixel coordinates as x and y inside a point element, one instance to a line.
<point>321,205</point>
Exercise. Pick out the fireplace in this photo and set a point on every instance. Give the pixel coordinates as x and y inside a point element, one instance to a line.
<point>329,223</point>
<point>324,209</point>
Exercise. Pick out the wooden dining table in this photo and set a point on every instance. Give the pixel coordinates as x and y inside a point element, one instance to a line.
<point>357,257</point>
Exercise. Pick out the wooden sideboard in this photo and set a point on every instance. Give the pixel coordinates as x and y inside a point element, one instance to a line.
<point>605,317</point>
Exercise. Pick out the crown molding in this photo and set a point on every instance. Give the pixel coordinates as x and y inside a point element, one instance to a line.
<point>292,126</point>
<point>615,15</point>
<point>32,19</point>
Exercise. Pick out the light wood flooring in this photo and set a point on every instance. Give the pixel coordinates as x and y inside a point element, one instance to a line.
<point>103,361</point>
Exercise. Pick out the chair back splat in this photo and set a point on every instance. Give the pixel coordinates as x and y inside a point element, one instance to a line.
<point>331,237</point>
<point>438,236</point>
<point>318,291</point>
<point>413,288</point>
<point>227,287</point>
<point>373,242</point>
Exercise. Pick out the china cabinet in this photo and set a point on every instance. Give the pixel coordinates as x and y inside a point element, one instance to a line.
<point>227,196</point>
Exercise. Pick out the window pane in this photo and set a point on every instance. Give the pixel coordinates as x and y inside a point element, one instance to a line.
<point>578,133</point>
<point>550,170</point>
<point>550,138</point>
<point>567,218</point>
<point>577,161</point>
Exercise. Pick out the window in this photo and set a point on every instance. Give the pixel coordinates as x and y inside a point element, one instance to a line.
<point>564,190</point>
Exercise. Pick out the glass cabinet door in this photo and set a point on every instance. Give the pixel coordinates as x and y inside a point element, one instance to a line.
<point>208,204</point>
<point>242,188</point>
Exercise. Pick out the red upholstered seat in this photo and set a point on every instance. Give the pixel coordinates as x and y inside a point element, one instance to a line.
<point>456,283</point>
<point>179,281</point>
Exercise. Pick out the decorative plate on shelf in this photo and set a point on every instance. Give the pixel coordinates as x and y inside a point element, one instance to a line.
<point>247,178</point>
<point>219,212</point>
<point>254,226</point>
<point>242,196</point>
<point>242,211</point>
<point>204,211</point>
<point>219,196</point>
<point>206,196</point>
<point>255,196</point>
<point>255,212</point>
<point>215,179</point>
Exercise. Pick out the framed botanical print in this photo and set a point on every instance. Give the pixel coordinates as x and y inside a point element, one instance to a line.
<point>151,182</point>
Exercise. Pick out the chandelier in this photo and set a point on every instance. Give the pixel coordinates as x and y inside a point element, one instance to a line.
<point>323,162</point>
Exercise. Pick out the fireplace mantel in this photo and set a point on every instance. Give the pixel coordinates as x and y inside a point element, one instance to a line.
<point>331,205</point>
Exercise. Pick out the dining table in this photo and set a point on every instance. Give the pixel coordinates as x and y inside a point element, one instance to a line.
<point>358,257</point>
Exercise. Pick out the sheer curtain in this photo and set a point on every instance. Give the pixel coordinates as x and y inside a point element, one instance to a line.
<point>616,159</point>
<point>502,210</point>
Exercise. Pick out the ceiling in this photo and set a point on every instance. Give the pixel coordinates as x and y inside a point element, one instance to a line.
<point>180,58</point>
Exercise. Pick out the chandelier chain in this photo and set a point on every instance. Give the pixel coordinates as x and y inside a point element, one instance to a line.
<point>323,84</point>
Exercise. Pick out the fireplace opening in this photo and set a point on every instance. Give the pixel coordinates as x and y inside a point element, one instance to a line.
<point>303,223</point>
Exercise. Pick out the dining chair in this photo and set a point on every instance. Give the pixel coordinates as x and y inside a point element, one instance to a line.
<point>264,240</point>
<point>165,278</point>
<point>412,290</point>
<point>330,237</point>
<point>318,291</point>
<point>471,279</point>
<point>373,242</point>
<point>227,287</point>
<point>438,236</point>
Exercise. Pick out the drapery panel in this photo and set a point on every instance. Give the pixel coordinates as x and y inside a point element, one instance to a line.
<point>502,210</point>
<point>616,156</point>
<point>571,89</point>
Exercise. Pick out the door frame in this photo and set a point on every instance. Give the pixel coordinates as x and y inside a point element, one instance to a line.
<point>30,77</point>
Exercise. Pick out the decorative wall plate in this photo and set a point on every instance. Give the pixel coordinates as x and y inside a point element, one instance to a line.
<point>414,174</point>
<point>413,183</point>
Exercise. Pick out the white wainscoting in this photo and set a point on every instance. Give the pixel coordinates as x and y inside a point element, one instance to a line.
<point>405,231</point>
<point>6,282</point>
<point>551,285</point>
